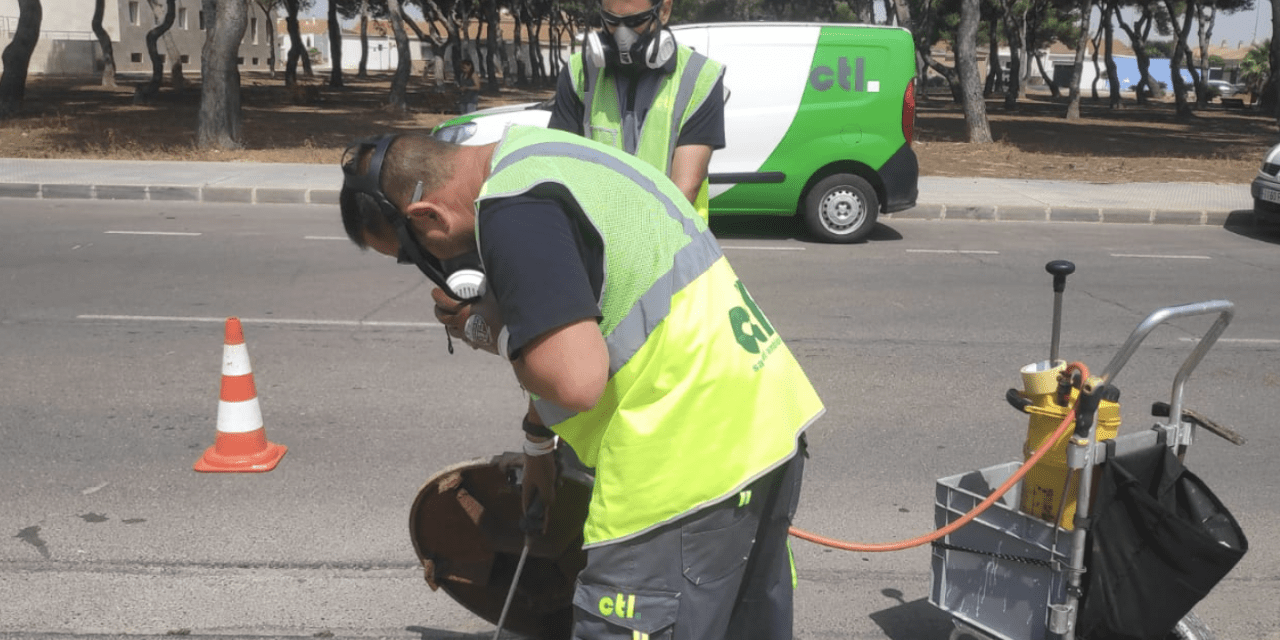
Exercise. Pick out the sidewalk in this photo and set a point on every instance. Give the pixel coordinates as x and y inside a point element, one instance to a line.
<point>940,198</point>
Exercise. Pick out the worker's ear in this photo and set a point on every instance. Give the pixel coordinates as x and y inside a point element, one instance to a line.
<point>427,216</point>
<point>665,14</point>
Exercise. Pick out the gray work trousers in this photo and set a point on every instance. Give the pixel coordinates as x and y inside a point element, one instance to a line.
<point>722,572</point>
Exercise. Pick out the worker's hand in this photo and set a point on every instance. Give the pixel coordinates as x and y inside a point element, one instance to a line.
<point>539,479</point>
<point>478,323</point>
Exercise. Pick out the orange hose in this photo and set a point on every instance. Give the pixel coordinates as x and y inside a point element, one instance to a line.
<point>982,506</point>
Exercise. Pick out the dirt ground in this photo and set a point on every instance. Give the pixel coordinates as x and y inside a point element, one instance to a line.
<point>312,122</point>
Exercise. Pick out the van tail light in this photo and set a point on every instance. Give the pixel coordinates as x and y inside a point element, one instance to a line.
<point>909,112</point>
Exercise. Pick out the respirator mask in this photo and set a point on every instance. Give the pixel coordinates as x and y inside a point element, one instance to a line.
<point>625,48</point>
<point>462,277</point>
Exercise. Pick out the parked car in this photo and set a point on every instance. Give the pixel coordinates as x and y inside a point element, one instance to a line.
<point>1225,89</point>
<point>819,120</point>
<point>1266,187</point>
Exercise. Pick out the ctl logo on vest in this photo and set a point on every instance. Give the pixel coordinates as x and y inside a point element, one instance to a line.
<point>749,334</point>
<point>823,77</point>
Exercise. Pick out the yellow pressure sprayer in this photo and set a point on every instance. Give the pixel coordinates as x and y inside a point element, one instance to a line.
<point>1048,394</point>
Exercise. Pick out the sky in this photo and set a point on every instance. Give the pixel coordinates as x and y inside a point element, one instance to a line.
<point>1246,26</point>
<point>1239,29</point>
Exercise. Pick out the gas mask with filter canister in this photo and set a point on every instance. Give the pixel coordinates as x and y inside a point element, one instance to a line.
<point>624,48</point>
<point>460,278</point>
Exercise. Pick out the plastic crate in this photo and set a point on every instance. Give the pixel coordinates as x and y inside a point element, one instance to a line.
<point>1001,596</point>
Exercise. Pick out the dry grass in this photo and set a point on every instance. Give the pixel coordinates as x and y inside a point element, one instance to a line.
<point>312,123</point>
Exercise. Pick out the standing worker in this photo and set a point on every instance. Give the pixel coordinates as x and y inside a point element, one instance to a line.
<point>612,302</point>
<point>633,87</point>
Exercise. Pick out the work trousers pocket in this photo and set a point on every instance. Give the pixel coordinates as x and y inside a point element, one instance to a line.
<point>608,612</point>
<point>716,542</point>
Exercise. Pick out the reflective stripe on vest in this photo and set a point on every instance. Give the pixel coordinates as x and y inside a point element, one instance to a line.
<point>696,372</point>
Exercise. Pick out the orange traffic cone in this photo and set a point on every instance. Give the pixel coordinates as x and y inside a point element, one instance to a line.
<point>242,439</point>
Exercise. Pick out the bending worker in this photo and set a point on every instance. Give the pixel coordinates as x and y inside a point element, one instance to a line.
<point>634,88</point>
<point>612,303</point>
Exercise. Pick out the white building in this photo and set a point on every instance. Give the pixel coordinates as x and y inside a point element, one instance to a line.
<point>67,44</point>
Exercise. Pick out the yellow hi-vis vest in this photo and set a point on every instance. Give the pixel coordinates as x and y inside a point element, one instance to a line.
<point>703,397</point>
<point>679,95</point>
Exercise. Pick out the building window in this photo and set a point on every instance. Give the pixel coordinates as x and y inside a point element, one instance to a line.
<point>135,57</point>
<point>184,58</point>
<point>255,62</point>
<point>202,27</point>
<point>240,60</point>
<point>133,13</point>
<point>182,17</point>
<point>253,30</point>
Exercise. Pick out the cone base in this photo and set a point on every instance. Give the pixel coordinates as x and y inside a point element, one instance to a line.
<point>264,460</point>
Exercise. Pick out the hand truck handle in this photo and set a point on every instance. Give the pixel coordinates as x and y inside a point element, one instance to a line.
<point>1226,311</point>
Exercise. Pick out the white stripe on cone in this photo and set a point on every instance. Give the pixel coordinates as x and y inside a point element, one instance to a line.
<point>239,417</point>
<point>235,360</point>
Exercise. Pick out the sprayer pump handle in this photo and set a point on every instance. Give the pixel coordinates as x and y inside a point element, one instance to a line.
<point>1060,270</point>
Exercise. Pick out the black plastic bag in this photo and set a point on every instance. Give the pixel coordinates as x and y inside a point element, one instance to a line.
<point>1160,540</point>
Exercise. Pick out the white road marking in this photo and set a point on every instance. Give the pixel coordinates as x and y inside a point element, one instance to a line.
<point>1238,340</point>
<point>154,233</point>
<point>289,321</point>
<point>977,251</point>
<point>758,248</point>
<point>1159,257</point>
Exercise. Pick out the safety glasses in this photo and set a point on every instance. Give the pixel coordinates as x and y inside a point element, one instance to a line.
<point>633,21</point>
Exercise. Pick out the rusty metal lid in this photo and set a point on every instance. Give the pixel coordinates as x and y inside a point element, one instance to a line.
<point>465,529</point>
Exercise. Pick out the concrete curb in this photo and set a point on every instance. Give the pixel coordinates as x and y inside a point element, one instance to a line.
<point>941,198</point>
<point>169,193</point>
<point>329,197</point>
<point>1018,213</point>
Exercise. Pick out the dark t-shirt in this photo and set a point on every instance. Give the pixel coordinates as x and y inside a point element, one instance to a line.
<point>705,126</point>
<point>544,263</point>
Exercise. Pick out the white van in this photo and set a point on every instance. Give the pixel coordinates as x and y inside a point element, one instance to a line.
<point>818,122</point>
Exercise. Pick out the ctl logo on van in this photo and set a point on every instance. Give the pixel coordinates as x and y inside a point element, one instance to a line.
<point>823,77</point>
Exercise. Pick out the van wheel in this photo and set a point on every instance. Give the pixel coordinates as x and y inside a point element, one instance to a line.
<point>841,208</point>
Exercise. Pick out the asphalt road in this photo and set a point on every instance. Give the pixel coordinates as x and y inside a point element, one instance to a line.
<point>111,320</point>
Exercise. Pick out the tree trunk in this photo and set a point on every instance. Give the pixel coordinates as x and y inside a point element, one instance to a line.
<point>271,39</point>
<point>1275,61</point>
<point>432,13</point>
<point>517,45</point>
<point>995,68</point>
<point>1073,100</point>
<point>296,48</point>
<point>363,72</point>
<point>1048,80</point>
<point>1205,33</point>
<point>219,121</point>
<point>531,47</point>
<point>493,44</point>
<point>153,50</point>
<point>902,13</point>
<point>1138,42</point>
<point>1113,73</point>
<point>1183,110</point>
<point>17,57</point>
<point>1014,89</point>
<point>1097,70</point>
<point>104,41</point>
<point>335,46</point>
<point>399,101</point>
<point>975,107</point>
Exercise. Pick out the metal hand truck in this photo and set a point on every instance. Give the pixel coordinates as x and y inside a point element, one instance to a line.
<point>1008,575</point>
